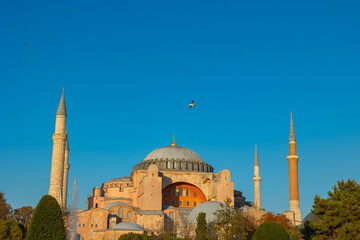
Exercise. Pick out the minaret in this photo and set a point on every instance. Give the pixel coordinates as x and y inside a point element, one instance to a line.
<point>58,156</point>
<point>293,176</point>
<point>257,180</point>
<point>66,171</point>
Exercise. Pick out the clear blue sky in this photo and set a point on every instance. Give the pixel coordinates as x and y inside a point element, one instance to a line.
<point>130,69</point>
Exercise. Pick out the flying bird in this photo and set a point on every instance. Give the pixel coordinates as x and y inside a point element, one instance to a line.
<point>191,104</point>
<point>28,44</point>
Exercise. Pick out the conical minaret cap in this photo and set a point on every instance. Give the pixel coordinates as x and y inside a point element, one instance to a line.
<point>256,156</point>
<point>292,132</point>
<point>62,108</point>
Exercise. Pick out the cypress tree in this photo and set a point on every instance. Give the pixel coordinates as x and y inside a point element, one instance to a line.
<point>47,222</point>
<point>271,231</point>
<point>201,227</point>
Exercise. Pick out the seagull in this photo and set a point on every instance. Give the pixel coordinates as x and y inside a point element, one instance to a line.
<point>191,104</point>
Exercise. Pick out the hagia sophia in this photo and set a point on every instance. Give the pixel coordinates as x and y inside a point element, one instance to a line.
<point>168,188</point>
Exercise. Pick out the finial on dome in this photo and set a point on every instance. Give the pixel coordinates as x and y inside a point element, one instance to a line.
<point>173,143</point>
<point>213,198</point>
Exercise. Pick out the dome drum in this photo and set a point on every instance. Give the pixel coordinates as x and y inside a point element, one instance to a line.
<point>176,165</point>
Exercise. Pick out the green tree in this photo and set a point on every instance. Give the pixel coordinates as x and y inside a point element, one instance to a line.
<point>339,213</point>
<point>10,230</point>
<point>271,231</point>
<point>134,236</point>
<point>307,231</point>
<point>232,223</point>
<point>47,222</point>
<point>201,227</point>
<point>5,209</point>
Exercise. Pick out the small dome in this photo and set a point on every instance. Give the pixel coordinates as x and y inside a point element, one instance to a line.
<point>129,226</point>
<point>209,208</point>
<point>173,152</point>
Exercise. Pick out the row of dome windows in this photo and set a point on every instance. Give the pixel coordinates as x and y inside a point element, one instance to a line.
<point>173,203</point>
<point>92,225</point>
<point>179,193</point>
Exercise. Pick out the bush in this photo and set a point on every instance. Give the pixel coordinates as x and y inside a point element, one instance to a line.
<point>270,231</point>
<point>9,229</point>
<point>47,222</point>
<point>133,236</point>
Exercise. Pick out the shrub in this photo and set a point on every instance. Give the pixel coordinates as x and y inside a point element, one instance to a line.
<point>47,222</point>
<point>133,236</point>
<point>9,229</point>
<point>270,231</point>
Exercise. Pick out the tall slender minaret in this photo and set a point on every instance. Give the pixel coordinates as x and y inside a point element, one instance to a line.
<point>293,175</point>
<point>58,156</point>
<point>257,180</point>
<point>66,171</point>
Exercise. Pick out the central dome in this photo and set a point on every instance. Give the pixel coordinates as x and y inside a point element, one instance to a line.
<point>172,153</point>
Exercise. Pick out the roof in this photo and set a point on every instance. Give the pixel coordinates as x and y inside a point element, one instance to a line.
<point>110,205</point>
<point>120,179</point>
<point>128,226</point>
<point>256,156</point>
<point>209,208</point>
<point>173,152</point>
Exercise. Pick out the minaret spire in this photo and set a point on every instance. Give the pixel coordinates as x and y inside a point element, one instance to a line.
<point>292,132</point>
<point>293,177</point>
<point>62,107</point>
<point>257,179</point>
<point>256,156</point>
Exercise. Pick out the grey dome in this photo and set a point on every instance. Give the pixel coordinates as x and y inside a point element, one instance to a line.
<point>175,158</point>
<point>209,208</point>
<point>173,152</point>
<point>128,226</point>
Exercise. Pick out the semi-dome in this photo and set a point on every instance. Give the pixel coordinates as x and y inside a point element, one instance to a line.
<point>129,226</point>
<point>175,158</point>
<point>209,208</point>
<point>173,152</point>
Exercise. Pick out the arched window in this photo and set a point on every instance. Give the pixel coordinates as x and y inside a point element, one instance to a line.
<point>166,193</point>
<point>180,190</point>
<point>165,202</point>
<point>187,192</point>
<point>195,194</point>
<point>129,215</point>
<point>173,202</point>
<point>187,203</point>
<point>194,203</point>
<point>96,205</point>
<point>174,191</point>
<point>121,212</point>
<point>180,203</point>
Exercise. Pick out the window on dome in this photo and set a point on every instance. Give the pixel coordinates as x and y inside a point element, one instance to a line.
<point>129,215</point>
<point>187,192</point>
<point>194,203</point>
<point>165,202</point>
<point>121,212</point>
<point>180,203</point>
<point>166,193</point>
<point>181,191</point>
<point>174,192</point>
<point>195,194</point>
<point>187,203</point>
<point>172,202</point>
